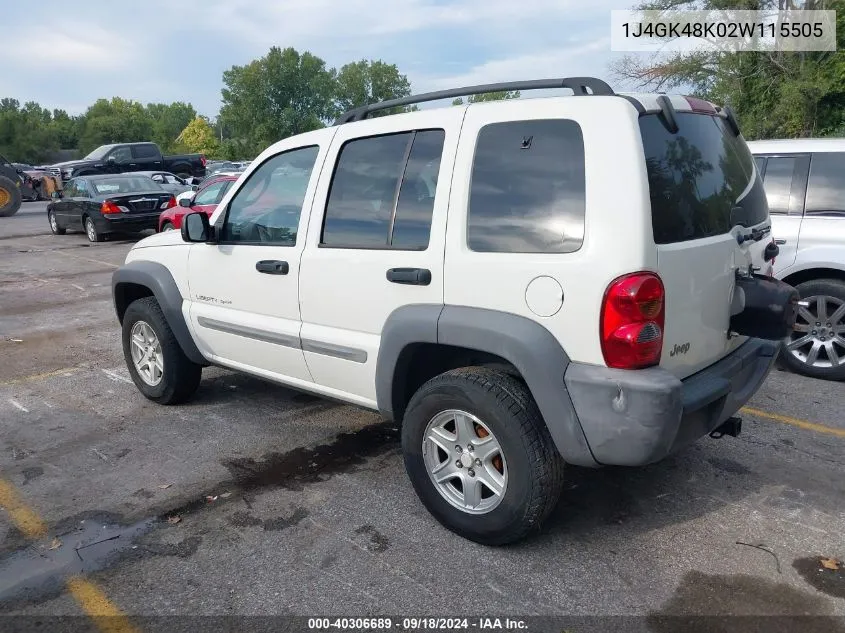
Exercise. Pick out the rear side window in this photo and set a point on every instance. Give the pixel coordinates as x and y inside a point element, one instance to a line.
<point>701,179</point>
<point>145,151</point>
<point>382,192</point>
<point>528,192</point>
<point>826,186</point>
<point>778,182</point>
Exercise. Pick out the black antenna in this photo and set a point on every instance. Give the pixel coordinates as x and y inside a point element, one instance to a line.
<point>581,86</point>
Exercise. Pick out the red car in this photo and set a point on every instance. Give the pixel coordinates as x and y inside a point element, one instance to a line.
<point>206,199</point>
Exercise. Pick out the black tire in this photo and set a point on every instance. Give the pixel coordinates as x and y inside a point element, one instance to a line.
<point>181,376</point>
<point>534,466</point>
<point>54,224</point>
<point>91,231</point>
<point>167,226</point>
<point>835,289</point>
<point>11,196</point>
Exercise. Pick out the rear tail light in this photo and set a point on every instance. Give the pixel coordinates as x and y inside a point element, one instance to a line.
<point>203,161</point>
<point>109,207</point>
<point>170,203</point>
<point>632,320</point>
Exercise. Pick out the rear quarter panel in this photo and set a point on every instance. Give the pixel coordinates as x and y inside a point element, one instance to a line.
<point>617,225</point>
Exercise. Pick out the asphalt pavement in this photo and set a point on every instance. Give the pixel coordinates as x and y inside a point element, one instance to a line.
<point>255,500</point>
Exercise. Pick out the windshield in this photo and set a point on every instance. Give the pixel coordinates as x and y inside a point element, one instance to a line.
<point>98,153</point>
<point>702,179</point>
<point>129,184</point>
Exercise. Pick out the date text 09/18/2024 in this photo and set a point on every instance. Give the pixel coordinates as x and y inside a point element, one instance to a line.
<point>417,624</point>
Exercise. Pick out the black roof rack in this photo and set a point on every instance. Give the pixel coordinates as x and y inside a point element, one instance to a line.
<point>578,85</point>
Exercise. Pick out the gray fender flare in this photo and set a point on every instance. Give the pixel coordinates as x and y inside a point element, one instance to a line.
<point>526,344</point>
<point>160,282</point>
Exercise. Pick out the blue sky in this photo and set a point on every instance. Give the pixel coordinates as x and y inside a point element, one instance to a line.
<point>68,55</point>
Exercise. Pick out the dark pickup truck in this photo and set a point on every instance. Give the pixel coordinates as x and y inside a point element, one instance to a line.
<point>124,157</point>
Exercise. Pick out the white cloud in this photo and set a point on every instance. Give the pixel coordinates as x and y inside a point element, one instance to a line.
<point>68,46</point>
<point>569,61</point>
<point>178,50</point>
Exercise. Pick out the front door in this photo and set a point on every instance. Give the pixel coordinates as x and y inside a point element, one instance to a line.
<point>244,290</point>
<point>381,205</point>
<point>785,181</point>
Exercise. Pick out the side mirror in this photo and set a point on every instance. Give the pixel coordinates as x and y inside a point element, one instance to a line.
<point>56,195</point>
<point>196,228</point>
<point>195,187</point>
<point>111,159</point>
<point>185,202</point>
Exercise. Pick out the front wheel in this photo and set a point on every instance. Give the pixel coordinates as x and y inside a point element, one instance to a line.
<point>167,226</point>
<point>54,225</point>
<point>816,346</point>
<point>479,455</point>
<point>156,362</point>
<point>10,197</point>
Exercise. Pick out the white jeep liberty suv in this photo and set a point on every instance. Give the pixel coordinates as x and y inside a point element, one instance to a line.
<point>520,284</point>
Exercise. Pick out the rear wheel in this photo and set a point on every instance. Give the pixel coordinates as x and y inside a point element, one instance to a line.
<point>54,225</point>
<point>167,226</point>
<point>91,230</point>
<point>156,362</point>
<point>479,455</point>
<point>10,197</point>
<point>816,346</point>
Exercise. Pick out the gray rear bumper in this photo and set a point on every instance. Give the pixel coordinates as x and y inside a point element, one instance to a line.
<point>631,418</point>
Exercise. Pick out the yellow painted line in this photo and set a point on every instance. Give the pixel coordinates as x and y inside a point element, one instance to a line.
<point>24,518</point>
<point>107,617</point>
<point>34,377</point>
<point>801,424</point>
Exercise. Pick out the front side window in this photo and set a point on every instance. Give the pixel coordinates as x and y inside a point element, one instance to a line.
<point>825,190</point>
<point>778,182</point>
<point>267,207</point>
<point>382,192</point>
<point>121,155</point>
<point>528,189</point>
<point>211,194</point>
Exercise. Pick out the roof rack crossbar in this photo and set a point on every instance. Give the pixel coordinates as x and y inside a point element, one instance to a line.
<point>578,85</point>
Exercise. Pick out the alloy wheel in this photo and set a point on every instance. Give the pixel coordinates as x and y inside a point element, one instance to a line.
<point>818,337</point>
<point>465,461</point>
<point>146,353</point>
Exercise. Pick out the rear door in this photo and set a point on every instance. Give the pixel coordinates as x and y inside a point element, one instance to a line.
<point>705,193</point>
<point>381,205</point>
<point>145,157</point>
<point>785,182</point>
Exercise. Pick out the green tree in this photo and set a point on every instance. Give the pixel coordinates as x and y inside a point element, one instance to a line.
<point>115,121</point>
<point>168,121</point>
<point>489,96</point>
<point>774,93</point>
<point>365,82</point>
<point>198,137</point>
<point>281,94</point>
<point>26,134</point>
<point>67,129</point>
